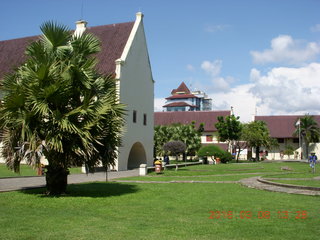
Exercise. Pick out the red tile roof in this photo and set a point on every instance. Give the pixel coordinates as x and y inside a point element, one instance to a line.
<point>12,53</point>
<point>209,118</point>
<point>113,40</point>
<point>178,104</point>
<point>282,126</point>
<point>182,88</point>
<point>179,96</point>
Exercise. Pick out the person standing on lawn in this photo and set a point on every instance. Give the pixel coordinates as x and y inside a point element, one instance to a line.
<point>312,159</point>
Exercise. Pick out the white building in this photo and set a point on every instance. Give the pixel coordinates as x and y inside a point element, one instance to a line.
<point>182,99</point>
<point>123,54</point>
<point>282,128</point>
<point>208,118</point>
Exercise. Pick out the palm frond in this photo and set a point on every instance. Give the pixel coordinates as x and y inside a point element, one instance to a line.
<point>54,35</point>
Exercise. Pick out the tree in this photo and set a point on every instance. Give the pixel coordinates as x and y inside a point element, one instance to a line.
<point>210,150</point>
<point>289,150</point>
<point>175,148</point>
<point>58,106</point>
<point>229,130</point>
<point>309,131</point>
<point>187,133</point>
<point>256,134</point>
<point>216,152</point>
<point>162,135</point>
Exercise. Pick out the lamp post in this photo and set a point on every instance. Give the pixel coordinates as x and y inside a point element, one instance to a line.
<point>299,130</point>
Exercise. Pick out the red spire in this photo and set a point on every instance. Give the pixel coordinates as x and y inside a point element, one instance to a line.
<point>182,89</point>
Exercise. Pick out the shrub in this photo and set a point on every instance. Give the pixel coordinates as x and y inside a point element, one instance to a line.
<point>175,147</point>
<point>209,150</point>
<point>225,157</point>
<point>216,151</point>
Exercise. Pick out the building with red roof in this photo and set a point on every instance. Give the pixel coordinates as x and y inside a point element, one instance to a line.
<point>123,54</point>
<point>282,128</point>
<point>208,118</point>
<point>182,99</point>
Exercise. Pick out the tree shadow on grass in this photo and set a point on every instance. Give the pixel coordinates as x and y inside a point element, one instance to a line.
<point>94,190</point>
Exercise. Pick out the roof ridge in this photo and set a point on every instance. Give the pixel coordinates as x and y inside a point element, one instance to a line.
<point>113,40</point>
<point>20,38</point>
<point>105,25</point>
<point>73,29</point>
<point>182,88</point>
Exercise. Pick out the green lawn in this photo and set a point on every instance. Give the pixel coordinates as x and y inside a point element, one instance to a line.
<point>26,170</point>
<point>238,168</point>
<point>193,178</point>
<point>163,211</point>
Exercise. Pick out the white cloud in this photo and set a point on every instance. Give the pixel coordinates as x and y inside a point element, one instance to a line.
<point>190,67</point>
<point>281,91</point>
<point>212,68</point>
<point>284,49</point>
<point>158,103</point>
<point>218,83</point>
<point>216,28</point>
<point>288,90</point>
<point>315,28</point>
<point>240,98</point>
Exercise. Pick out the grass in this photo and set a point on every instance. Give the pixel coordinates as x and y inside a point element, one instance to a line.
<point>163,211</point>
<point>26,170</point>
<point>193,178</point>
<point>263,168</point>
<point>296,175</point>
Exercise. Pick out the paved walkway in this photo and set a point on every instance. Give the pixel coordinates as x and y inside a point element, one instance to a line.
<point>20,183</point>
<point>254,182</point>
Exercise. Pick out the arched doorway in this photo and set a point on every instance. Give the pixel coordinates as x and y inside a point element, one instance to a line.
<point>137,156</point>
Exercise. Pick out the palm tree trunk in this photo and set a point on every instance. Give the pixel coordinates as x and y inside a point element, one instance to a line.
<point>257,153</point>
<point>307,149</point>
<point>106,169</point>
<point>56,180</point>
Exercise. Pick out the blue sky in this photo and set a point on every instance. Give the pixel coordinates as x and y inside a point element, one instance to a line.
<point>259,56</point>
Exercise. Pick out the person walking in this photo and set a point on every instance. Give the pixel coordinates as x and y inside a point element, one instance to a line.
<point>312,159</point>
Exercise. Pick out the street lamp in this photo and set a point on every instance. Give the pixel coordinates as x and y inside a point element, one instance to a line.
<point>298,124</point>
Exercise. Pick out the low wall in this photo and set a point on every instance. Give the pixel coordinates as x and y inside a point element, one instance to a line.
<point>143,170</point>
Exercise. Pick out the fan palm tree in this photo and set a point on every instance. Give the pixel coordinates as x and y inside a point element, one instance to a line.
<point>56,105</point>
<point>309,131</point>
<point>162,135</point>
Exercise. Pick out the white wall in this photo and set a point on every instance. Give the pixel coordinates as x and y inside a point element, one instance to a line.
<point>137,92</point>
<point>214,137</point>
<point>275,153</point>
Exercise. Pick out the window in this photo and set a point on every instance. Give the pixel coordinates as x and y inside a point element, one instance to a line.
<point>209,138</point>
<point>134,116</point>
<point>296,140</point>
<point>145,119</point>
<point>280,140</point>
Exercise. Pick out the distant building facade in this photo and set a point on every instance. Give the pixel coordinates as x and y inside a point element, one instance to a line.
<point>182,100</point>
<point>282,128</point>
<point>208,118</point>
